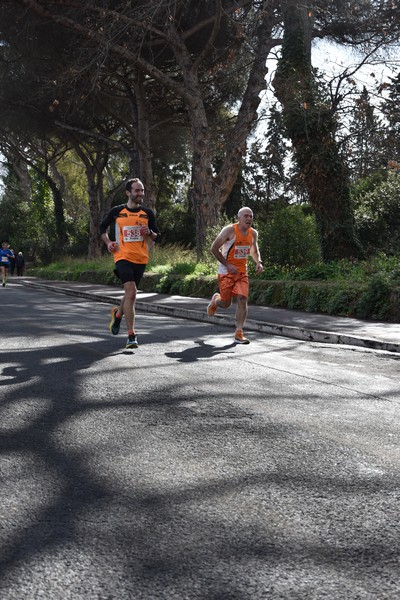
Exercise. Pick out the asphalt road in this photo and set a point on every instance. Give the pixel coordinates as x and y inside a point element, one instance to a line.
<point>191,468</point>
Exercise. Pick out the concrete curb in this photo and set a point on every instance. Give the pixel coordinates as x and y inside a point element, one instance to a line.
<point>289,331</point>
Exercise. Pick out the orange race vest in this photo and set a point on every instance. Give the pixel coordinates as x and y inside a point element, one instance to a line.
<point>131,245</point>
<point>237,250</point>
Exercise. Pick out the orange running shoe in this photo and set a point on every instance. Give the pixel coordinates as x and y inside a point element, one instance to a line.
<point>212,307</point>
<point>239,337</point>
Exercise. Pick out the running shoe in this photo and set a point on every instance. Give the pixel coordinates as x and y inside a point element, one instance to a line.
<point>239,337</point>
<point>132,341</point>
<point>4,284</point>
<point>115,322</point>
<point>212,307</point>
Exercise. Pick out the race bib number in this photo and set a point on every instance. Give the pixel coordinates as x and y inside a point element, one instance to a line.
<point>241,252</point>
<point>4,259</point>
<point>132,234</point>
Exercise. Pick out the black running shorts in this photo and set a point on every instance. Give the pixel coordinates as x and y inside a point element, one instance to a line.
<point>128,271</point>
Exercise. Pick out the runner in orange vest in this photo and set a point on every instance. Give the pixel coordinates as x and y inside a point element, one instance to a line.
<point>232,247</point>
<point>135,227</point>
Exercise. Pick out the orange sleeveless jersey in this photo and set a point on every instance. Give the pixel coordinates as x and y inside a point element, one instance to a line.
<point>131,245</point>
<point>237,250</point>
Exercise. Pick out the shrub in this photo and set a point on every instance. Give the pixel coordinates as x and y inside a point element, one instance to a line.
<point>290,237</point>
<point>377,213</point>
<point>364,289</point>
<point>183,268</point>
<point>341,301</point>
<point>317,300</point>
<point>374,303</point>
<point>170,255</point>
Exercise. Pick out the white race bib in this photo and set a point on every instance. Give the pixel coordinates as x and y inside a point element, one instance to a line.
<point>241,251</point>
<point>132,233</point>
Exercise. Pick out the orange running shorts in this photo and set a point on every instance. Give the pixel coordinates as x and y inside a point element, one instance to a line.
<point>233,285</point>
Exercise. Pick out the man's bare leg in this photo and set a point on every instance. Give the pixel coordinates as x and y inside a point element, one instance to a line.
<point>241,315</point>
<point>127,306</point>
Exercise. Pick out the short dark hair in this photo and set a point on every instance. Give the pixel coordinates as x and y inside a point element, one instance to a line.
<point>128,185</point>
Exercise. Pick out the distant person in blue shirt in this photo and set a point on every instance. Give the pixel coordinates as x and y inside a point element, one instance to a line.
<point>5,255</point>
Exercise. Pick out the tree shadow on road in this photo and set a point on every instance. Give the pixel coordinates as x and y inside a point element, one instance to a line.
<point>125,485</point>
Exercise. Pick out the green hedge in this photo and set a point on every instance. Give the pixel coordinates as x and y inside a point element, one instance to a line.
<point>375,300</point>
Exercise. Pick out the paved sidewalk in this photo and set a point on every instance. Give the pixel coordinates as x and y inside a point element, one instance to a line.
<point>274,321</point>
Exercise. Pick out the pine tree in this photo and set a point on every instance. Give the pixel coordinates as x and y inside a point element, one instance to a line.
<point>365,147</point>
<point>391,109</point>
<point>275,153</point>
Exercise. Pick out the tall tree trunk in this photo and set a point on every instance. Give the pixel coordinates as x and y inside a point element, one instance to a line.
<point>201,199</point>
<point>236,142</point>
<point>145,157</point>
<point>140,158</point>
<point>57,185</point>
<point>94,182</point>
<point>95,163</point>
<point>209,191</point>
<point>200,193</point>
<point>311,127</point>
<point>59,215</point>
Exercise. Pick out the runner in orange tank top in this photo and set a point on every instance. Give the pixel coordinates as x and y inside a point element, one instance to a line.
<point>134,228</point>
<point>232,247</point>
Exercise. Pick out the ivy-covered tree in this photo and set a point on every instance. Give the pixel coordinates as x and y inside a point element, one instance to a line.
<point>311,127</point>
